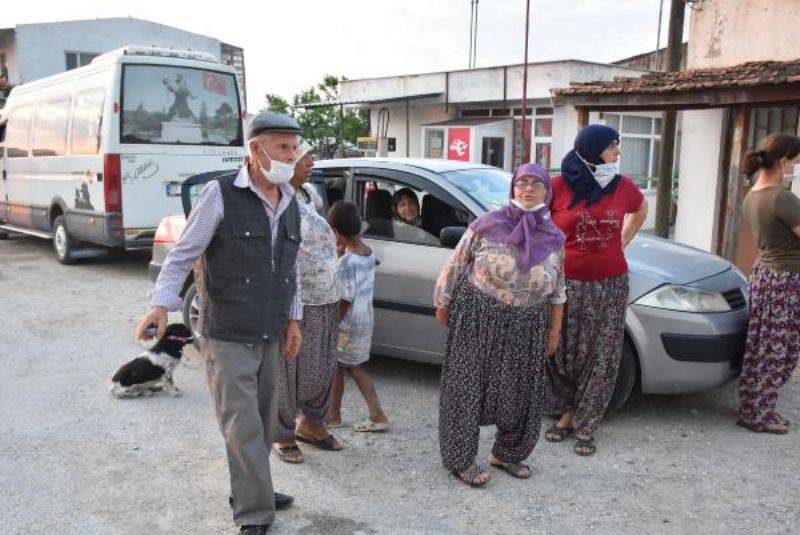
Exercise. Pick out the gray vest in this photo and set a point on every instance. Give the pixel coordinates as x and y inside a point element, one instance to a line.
<point>248,291</point>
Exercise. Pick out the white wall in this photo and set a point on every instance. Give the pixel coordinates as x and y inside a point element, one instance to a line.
<point>41,47</point>
<point>698,200</point>
<point>420,113</point>
<point>729,32</point>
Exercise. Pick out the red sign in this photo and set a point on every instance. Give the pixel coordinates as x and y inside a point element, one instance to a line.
<point>458,142</point>
<point>214,83</point>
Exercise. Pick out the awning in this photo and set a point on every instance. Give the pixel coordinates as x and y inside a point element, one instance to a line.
<point>375,100</point>
<point>747,83</point>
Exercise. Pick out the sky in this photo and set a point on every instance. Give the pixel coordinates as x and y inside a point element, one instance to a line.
<point>290,45</point>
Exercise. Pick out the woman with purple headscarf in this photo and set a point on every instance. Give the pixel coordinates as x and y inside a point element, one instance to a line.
<point>501,295</point>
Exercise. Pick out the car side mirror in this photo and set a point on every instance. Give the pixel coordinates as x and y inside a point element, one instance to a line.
<point>450,236</point>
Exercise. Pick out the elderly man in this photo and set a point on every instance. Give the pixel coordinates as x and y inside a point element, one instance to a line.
<point>245,228</point>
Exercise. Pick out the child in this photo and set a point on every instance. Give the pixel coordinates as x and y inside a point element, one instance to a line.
<point>355,276</point>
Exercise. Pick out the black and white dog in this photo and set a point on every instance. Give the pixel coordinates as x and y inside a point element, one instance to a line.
<point>152,370</point>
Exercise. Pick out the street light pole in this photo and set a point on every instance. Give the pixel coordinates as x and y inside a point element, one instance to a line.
<point>525,148</point>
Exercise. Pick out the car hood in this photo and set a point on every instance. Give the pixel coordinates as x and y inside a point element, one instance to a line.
<point>663,261</point>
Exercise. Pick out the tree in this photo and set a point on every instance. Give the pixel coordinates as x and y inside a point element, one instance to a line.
<point>278,104</point>
<point>323,123</point>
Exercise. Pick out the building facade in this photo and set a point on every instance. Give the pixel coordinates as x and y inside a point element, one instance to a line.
<point>32,51</point>
<point>476,114</point>
<point>724,33</point>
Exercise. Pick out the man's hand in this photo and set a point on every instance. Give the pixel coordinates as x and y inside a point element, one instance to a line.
<point>155,316</point>
<point>443,316</point>
<point>292,340</point>
<point>302,168</point>
<point>553,341</point>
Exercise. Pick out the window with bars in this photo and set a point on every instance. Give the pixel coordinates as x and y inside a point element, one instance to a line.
<point>766,121</point>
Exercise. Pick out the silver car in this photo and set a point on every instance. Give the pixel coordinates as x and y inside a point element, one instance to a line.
<point>687,310</point>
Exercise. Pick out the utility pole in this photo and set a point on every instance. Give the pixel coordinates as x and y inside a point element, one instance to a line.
<point>668,123</point>
<point>525,155</point>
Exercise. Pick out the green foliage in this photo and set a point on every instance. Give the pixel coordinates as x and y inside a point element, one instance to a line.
<point>323,125</point>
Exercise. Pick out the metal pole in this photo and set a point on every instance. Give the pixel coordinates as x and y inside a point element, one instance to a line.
<point>475,46</point>
<point>668,123</point>
<point>471,25</point>
<point>525,148</point>
<point>658,37</point>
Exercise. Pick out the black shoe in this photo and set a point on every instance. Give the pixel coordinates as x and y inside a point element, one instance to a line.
<point>254,530</point>
<point>282,501</point>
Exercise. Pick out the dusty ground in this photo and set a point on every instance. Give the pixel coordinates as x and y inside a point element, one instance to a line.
<point>73,460</point>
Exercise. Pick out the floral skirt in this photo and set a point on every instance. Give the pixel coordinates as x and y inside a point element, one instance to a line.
<point>773,343</point>
<point>582,375</point>
<point>492,375</point>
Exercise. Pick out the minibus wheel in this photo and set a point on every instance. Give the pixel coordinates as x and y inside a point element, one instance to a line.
<point>63,243</point>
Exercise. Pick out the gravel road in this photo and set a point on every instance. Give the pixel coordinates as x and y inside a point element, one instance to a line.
<point>74,460</point>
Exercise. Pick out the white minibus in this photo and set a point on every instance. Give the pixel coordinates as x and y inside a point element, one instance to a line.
<point>95,157</point>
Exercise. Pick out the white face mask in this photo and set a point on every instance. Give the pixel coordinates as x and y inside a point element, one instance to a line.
<point>519,205</point>
<point>603,173</point>
<point>279,172</point>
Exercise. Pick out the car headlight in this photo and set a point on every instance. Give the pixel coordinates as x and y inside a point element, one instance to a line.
<point>685,299</point>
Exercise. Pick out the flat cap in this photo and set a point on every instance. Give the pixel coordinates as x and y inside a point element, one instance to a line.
<point>269,121</point>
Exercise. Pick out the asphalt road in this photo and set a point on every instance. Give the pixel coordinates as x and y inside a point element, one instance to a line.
<point>74,460</point>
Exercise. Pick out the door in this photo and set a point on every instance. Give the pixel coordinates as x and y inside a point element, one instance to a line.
<point>410,257</point>
<point>493,152</point>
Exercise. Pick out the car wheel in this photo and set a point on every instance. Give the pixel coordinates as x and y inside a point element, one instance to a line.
<point>626,377</point>
<point>63,244</point>
<point>191,313</point>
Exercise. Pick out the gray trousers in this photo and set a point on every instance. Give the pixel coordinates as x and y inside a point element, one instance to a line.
<point>241,379</point>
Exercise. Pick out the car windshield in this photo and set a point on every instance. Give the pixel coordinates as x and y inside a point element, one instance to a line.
<point>180,105</point>
<point>487,187</point>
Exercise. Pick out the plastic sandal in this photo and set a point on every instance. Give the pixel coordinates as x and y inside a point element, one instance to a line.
<point>518,470</point>
<point>470,476</point>
<point>585,447</point>
<point>368,426</point>
<point>558,434</point>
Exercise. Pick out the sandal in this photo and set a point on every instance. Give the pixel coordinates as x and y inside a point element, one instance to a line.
<point>368,426</point>
<point>329,443</point>
<point>585,447</point>
<point>471,474</point>
<point>558,434</point>
<point>518,470</point>
<point>289,454</point>
<point>772,428</point>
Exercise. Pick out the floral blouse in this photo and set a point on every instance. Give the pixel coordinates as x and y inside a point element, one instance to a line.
<point>492,268</point>
<point>316,259</point>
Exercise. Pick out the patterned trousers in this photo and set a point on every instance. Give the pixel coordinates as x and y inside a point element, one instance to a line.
<point>773,343</point>
<point>304,384</point>
<point>582,375</point>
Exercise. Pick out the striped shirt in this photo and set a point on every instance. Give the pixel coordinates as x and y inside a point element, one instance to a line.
<point>206,214</point>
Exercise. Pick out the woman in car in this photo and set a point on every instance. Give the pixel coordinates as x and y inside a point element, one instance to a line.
<point>305,383</point>
<point>773,337</point>
<point>405,207</point>
<point>501,295</point>
<point>591,203</point>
